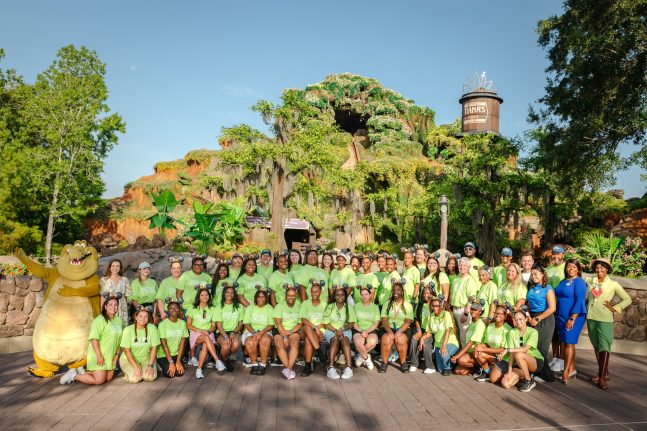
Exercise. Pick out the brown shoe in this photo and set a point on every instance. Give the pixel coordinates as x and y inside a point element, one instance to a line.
<point>602,383</point>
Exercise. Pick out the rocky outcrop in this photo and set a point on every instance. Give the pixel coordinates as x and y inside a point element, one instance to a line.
<point>633,225</point>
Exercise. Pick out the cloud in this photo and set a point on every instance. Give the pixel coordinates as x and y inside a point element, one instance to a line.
<point>239,91</point>
<point>133,67</point>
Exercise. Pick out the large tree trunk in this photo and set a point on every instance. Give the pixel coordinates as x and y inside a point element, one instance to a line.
<point>50,224</point>
<point>278,180</point>
<point>549,228</point>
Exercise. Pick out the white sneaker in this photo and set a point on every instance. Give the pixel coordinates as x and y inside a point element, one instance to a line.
<point>347,374</point>
<point>358,360</point>
<point>220,366</point>
<point>193,361</point>
<point>68,377</point>
<point>413,369</point>
<point>286,373</point>
<point>80,370</point>
<point>293,375</point>
<point>429,370</point>
<point>557,365</point>
<point>369,362</point>
<point>332,373</point>
<point>199,374</point>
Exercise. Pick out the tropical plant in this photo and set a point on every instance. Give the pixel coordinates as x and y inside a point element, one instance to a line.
<point>627,255</point>
<point>222,225</point>
<point>165,202</point>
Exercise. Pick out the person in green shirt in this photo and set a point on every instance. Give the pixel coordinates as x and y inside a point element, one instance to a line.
<point>265,266</point>
<point>514,290</point>
<point>487,291</point>
<point>365,278</point>
<point>432,273</point>
<point>463,288</point>
<point>421,259</point>
<point>338,321</point>
<point>218,281</point>
<point>381,272</point>
<point>169,287</point>
<point>312,315</point>
<point>327,263</point>
<point>368,320</point>
<point>386,289</point>
<point>397,316</point>
<point>451,269</point>
<point>249,283</point>
<point>341,275</point>
<point>173,337</point>
<point>286,335</point>
<point>201,322</point>
<point>493,343</point>
<point>229,322</point>
<point>465,360</point>
<point>310,271</point>
<point>499,271</point>
<point>139,344</point>
<point>600,315</point>
<point>281,278</point>
<point>423,311</point>
<point>294,261</point>
<point>236,266</point>
<point>411,274</point>
<point>144,288</point>
<point>103,349</point>
<point>470,252</point>
<point>257,337</point>
<point>521,349</point>
<point>190,279</point>
<point>355,263</point>
<point>441,328</point>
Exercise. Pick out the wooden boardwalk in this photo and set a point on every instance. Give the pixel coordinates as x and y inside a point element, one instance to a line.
<point>371,401</point>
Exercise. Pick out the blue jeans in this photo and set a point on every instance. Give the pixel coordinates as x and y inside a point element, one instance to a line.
<point>442,361</point>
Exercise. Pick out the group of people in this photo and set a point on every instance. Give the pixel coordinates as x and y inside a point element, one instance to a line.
<point>462,317</point>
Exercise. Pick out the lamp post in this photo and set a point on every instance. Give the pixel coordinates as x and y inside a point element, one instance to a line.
<point>444,212</point>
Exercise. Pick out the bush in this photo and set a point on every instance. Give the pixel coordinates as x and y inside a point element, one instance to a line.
<point>627,255</point>
<point>13,269</point>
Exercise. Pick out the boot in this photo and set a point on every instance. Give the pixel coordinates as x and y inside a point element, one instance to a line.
<point>594,379</point>
<point>602,370</point>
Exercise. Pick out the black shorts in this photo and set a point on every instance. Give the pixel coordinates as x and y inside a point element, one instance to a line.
<point>164,365</point>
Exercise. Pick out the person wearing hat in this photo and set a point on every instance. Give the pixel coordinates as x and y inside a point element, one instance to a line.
<point>470,252</point>
<point>310,270</point>
<point>421,259</point>
<point>441,327</point>
<point>218,281</point>
<point>343,274</point>
<point>499,271</point>
<point>144,288</point>
<point>600,312</point>
<point>419,326</point>
<point>192,278</point>
<point>249,282</point>
<point>287,335</point>
<point>464,359</point>
<point>236,265</point>
<point>368,320</point>
<point>397,316</point>
<point>265,267</point>
<point>463,288</point>
<point>381,273</point>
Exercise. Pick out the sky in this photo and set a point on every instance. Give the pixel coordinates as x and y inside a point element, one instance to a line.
<point>178,72</point>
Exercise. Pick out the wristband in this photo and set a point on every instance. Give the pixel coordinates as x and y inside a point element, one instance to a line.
<point>571,319</point>
<point>171,361</point>
<point>150,365</point>
<point>226,337</point>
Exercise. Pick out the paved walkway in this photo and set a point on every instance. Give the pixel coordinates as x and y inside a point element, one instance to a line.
<point>371,401</point>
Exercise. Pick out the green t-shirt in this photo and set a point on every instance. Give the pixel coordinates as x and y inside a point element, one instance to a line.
<point>216,296</point>
<point>313,313</point>
<point>144,293</point>
<point>438,325</point>
<point>265,271</point>
<point>247,286</point>
<point>338,317</point>
<point>385,292</point>
<point>424,315</point>
<point>474,272</point>
<point>397,314</point>
<point>109,336</point>
<point>276,281</point>
<point>289,315</point>
<point>442,279</point>
<point>488,293</point>
<point>475,333</point>
<point>412,275</point>
<point>234,272</point>
<point>306,273</point>
<point>499,275</point>
<point>496,337</point>
<point>229,316</point>
<point>346,275</point>
<point>173,333</point>
<point>141,345</point>
<point>202,318</point>
<point>506,294</point>
<point>367,315</point>
<point>294,269</point>
<point>259,317</point>
<point>381,275</point>
<point>167,290</point>
<point>461,290</point>
<point>363,280</point>
<point>530,338</point>
<point>188,281</point>
<point>555,274</point>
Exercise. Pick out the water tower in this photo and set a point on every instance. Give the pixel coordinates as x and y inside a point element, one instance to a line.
<point>480,106</point>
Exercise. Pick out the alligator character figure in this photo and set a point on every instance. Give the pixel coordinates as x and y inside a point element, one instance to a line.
<point>70,304</point>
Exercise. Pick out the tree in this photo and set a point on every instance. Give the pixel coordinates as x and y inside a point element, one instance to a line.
<point>596,92</point>
<point>74,132</point>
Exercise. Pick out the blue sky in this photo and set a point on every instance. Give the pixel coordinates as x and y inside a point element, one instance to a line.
<point>179,71</point>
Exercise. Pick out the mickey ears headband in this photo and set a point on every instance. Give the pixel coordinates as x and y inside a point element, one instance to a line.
<point>401,281</point>
<point>224,262</point>
<point>250,256</point>
<point>201,286</point>
<point>174,259</point>
<point>368,287</point>
<point>340,286</point>
<point>314,282</point>
<point>234,285</point>
<point>198,256</point>
<point>148,308</point>
<point>108,295</point>
<point>178,301</point>
<point>287,286</point>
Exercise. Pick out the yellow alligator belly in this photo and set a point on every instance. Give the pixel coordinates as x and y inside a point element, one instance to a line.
<point>62,330</point>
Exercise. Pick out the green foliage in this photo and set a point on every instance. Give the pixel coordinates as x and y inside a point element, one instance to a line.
<point>595,207</point>
<point>627,255</point>
<point>165,202</point>
<point>174,165</point>
<point>200,156</point>
<point>217,225</point>
<point>241,133</point>
<point>13,269</point>
<point>184,179</point>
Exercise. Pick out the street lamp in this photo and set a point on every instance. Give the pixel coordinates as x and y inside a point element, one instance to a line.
<point>444,212</point>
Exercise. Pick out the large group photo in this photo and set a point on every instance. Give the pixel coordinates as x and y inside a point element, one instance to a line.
<point>284,215</point>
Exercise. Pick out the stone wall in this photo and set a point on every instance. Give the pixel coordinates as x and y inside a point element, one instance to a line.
<point>21,299</point>
<point>631,324</point>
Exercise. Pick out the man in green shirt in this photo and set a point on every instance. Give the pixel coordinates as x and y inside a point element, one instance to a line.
<point>499,272</point>
<point>475,263</point>
<point>556,269</point>
<point>265,266</point>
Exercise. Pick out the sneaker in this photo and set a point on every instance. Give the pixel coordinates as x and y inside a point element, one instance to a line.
<point>383,367</point>
<point>210,364</point>
<point>81,370</point>
<point>261,369</point>
<point>429,370</point>
<point>446,372</point>
<point>347,374</point>
<point>393,357</point>
<point>413,369</point>
<point>557,365</point>
<point>359,361</point>
<point>220,367</point>
<point>193,361</point>
<point>229,365</point>
<point>332,373</point>
<point>307,370</point>
<point>477,372</point>
<point>276,362</point>
<point>482,377</point>
<point>527,385</point>
<point>293,375</point>
<point>247,362</point>
<point>539,378</point>
<point>405,367</point>
<point>68,377</point>
<point>199,374</point>
<point>286,373</point>
<point>369,363</point>
<point>255,370</point>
